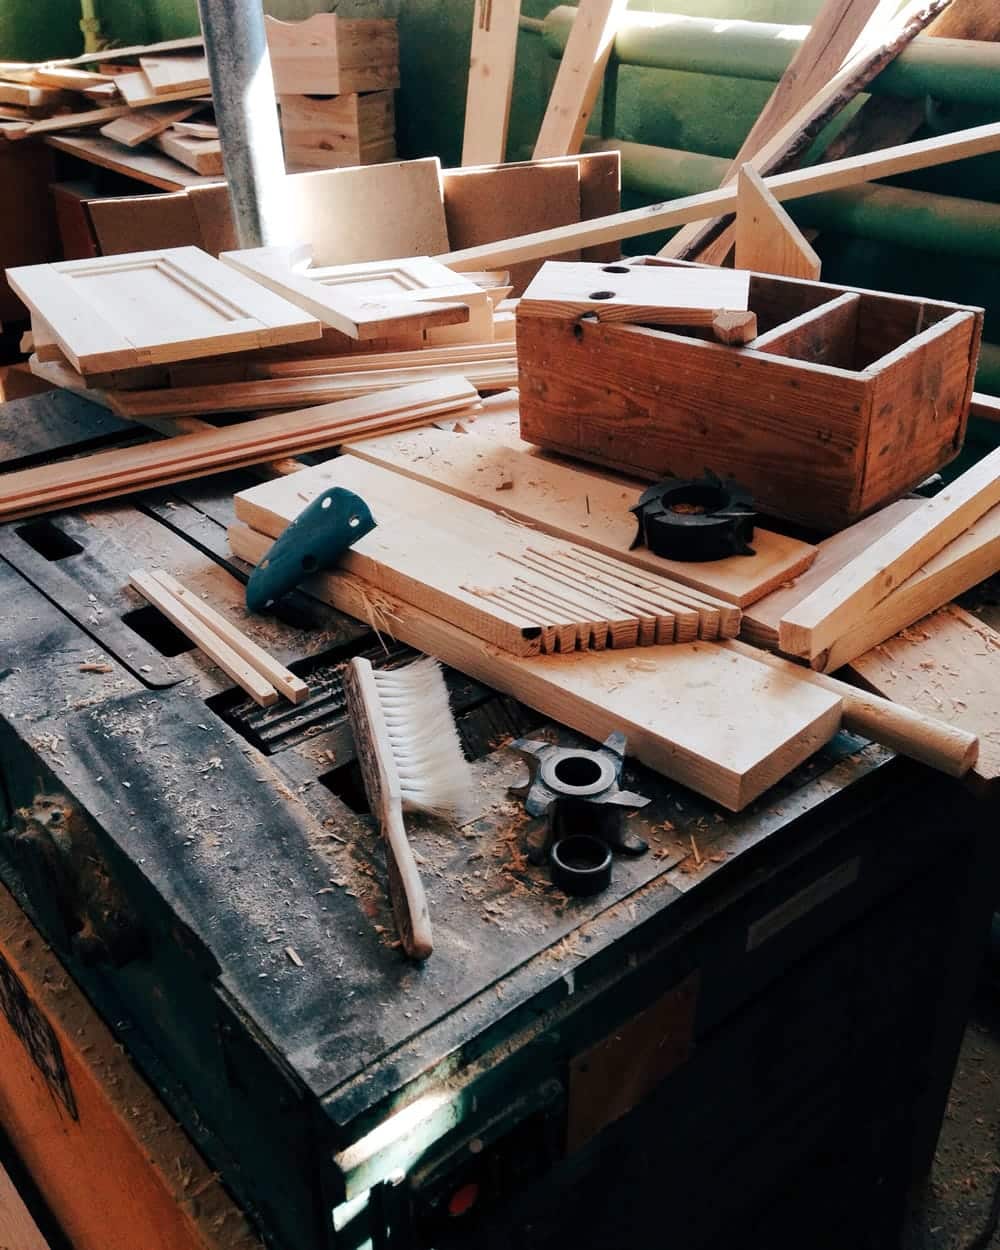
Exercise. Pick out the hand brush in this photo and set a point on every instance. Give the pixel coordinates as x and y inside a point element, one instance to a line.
<point>411,759</point>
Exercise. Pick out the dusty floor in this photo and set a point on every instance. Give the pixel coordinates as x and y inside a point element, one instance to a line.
<point>953,1210</point>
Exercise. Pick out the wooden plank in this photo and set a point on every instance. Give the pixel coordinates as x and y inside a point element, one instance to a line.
<point>781,138</point>
<point>138,126</point>
<point>260,394</point>
<point>293,688</point>
<point>207,640</point>
<point>204,156</point>
<point>508,585</point>
<point>578,78</point>
<point>149,167</point>
<point>727,726</point>
<point>372,300</point>
<point>906,157</point>
<point>964,563</point>
<point>767,240</point>
<point>824,335</point>
<point>152,222</point>
<point>69,79</point>
<point>112,1166</point>
<point>33,97</point>
<point>153,307</point>
<point>17,1228</point>
<point>200,130</point>
<point>640,293</point>
<point>985,407</point>
<point>760,622</point>
<point>946,665</point>
<point>491,80</point>
<point>137,91</point>
<point>168,74</point>
<point>121,54</point>
<point>491,466</point>
<point>833,609</point>
<point>77,121</point>
<point>107,474</point>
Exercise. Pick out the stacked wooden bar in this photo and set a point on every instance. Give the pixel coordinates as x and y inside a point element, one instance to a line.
<point>335,79</point>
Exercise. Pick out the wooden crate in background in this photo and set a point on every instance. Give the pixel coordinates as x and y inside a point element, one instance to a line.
<point>329,132</point>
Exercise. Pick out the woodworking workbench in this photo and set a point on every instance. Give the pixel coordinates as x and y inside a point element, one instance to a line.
<point>784,988</point>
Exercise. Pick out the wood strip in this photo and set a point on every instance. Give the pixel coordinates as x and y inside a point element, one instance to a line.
<point>254,396</point>
<point>779,143</point>
<point>206,639</point>
<point>105,474</point>
<point>578,78</point>
<point>963,564</point>
<point>152,168</point>
<point>455,560</point>
<point>726,726</point>
<point>767,240</point>
<point>491,80</point>
<point>121,54</point>
<point>138,126</point>
<point>929,739</point>
<point>985,407</point>
<point>906,157</point>
<point>355,362</point>
<point>947,666</point>
<point>293,688</point>
<point>199,130</point>
<point>69,79</point>
<point>137,91</point>
<point>834,609</point>
<point>77,121</point>
<point>490,465</point>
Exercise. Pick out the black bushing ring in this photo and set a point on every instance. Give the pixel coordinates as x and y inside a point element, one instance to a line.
<point>580,864</point>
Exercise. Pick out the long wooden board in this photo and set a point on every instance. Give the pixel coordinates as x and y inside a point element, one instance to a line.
<point>840,605</point>
<point>514,588</point>
<point>491,79</point>
<point>118,312</point>
<point>578,78</point>
<point>946,665</point>
<point>490,465</point>
<point>137,91</point>
<point>866,37</point>
<point>727,726</point>
<point>106,474</point>
<point>137,126</point>
<point>960,145</point>
<point>168,74</point>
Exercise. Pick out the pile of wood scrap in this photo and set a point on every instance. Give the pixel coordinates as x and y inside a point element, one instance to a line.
<point>159,95</point>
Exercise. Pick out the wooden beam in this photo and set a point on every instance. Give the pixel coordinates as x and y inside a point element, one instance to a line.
<point>831,611</point>
<point>491,79</point>
<point>922,154</point>
<point>767,240</point>
<point>106,474</point>
<point>207,640</point>
<point>913,733</point>
<point>726,726</point>
<point>823,90</point>
<point>578,78</point>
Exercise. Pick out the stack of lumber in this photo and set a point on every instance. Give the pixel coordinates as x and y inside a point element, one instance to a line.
<point>159,96</point>
<point>334,78</point>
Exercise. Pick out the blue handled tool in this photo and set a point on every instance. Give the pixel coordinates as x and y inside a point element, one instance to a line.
<point>314,541</point>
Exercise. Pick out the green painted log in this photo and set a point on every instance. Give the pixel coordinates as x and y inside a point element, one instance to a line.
<point>896,215</point>
<point>958,70</point>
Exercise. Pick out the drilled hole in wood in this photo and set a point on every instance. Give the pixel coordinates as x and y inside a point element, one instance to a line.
<point>616,269</point>
<point>601,295</point>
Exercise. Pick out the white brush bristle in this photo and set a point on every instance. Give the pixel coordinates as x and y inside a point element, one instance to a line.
<point>433,773</point>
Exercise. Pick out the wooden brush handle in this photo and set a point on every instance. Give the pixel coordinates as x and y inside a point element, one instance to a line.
<point>947,748</point>
<point>406,890</point>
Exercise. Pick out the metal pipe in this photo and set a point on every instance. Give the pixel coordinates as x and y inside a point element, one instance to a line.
<point>960,70</point>
<point>245,111</point>
<point>917,219</point>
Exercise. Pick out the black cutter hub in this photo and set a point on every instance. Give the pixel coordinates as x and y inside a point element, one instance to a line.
<point>696,519</point>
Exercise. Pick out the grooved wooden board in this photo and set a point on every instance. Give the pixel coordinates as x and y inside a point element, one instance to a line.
<point>151,307</point>
<point>520,590</point>
<point>492,466</point>
<point>724,724</point>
